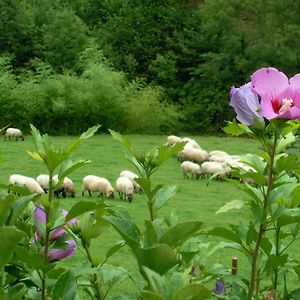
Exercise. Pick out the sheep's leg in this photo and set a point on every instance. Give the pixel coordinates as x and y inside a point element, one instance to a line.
<point>82,193</point>
<point>90,193</point>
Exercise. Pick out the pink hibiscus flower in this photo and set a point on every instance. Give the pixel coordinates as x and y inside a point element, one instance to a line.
<point>280,96</point>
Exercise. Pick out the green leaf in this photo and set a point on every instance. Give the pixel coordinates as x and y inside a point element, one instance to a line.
<point>6,201</point>
<point>163,195</point>
<point>180,233</point>
<point>18,208</point>
<point>84,206</point>
<point>255,162</point>
<point>68,167</point>
<point>287,163</point>
<point>123,139</point>
<point>115,248</point>
<point>156,282</point>
<point>275,261</point>
<point>10,236</point>
<point>90,132</point>
<point>285,142</point>
<point>147,295</point>
<point>225,233</point>
<point>16,292</point>
<point>150,234</point>
<point>193,292</point>
<point>65,287</point>
<point>236,129</point>
<point>165,152</point>
<point>287,216</point>
<point>128,230</point>
<point>234,204</point>
<point>159,258</point>
<point>30,257</point>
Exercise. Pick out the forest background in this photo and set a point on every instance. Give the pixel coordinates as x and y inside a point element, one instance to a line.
<point>146,66</point>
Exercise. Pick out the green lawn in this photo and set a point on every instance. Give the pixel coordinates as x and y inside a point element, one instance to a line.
<point>195,199</point>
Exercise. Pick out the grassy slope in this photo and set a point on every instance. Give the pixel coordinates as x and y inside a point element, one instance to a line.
<point>194,200</point>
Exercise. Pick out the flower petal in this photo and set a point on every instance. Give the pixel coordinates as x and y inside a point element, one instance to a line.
<point>291,114</point>
<point>269,81</point>
<point>245,103</point>
<point>58,254</point>
<point>267,109</point>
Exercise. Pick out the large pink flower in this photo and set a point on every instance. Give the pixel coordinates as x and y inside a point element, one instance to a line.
<point>280,96</point>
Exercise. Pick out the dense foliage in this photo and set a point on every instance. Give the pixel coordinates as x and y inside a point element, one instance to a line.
<point>82,62</point>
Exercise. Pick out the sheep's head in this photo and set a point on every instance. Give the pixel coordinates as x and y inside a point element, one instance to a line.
<point>111,194</point>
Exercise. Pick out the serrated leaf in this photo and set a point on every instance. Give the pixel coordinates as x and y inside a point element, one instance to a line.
<point>225,233</point>
<point>234,204</point>
<point>16,292</point>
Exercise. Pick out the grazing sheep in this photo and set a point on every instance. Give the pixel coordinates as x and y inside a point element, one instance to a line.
<point>43,181</point>
<point>193,154</point>
<point>190,167</point>
<point>14,132</point>
<point>191,143</point>
<point>213,167</point>
<point>30,183</point>
<point>125,188</point>
<point>132,177</point>
<point>173,139</point>
<point>94,183</point>
<point>66,188</point>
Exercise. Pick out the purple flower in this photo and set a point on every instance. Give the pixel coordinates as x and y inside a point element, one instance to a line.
<point>220,287</point>
<point>58,254</point>
<point>245,104</point>
<point>280,96</point>
<point>57,238</point>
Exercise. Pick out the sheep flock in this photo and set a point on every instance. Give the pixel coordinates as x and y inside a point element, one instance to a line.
<point>195,162</point>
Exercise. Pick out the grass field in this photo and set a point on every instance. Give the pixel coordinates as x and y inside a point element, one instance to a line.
<point>195,199</point>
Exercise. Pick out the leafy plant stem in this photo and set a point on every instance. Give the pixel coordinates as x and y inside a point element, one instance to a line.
<point>262,226</point>
<point>96,282</point>
<point>277,232</point>
<point>47,234</point>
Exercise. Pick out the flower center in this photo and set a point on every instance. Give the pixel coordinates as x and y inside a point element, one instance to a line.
<point>285,105</point>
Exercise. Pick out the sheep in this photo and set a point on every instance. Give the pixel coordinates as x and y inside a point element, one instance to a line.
<point>212,167</point>
<point>14,132</point>
<point>190,167</point>
<point>173,139</point>
<point>30,183</point>
<point>192,143</point>
<point>67,187</point>
<point>97,184</point>
<point>125,188</point>
<point>193,154</point>
<point>43,181</point>
<point>132,176</point>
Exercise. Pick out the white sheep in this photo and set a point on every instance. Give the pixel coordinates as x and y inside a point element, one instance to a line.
<point>173,139</point>
<point>218,153</point>
<point>43,181</point>
<point>132,176</point>
<point>93,183</point>
<point>14,132</point>
<point>66,188</point>
<point>191,142</point>
<point>30,183</point>
<point>213,167</point>
<point>190,167</point>
<point>193,154</point>
<point>125,188</point>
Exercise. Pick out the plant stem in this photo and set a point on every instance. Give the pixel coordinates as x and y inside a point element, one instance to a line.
<point>96,283</point>
<point>262,227</point>
<point>277,254</point>
<point>47,234</point>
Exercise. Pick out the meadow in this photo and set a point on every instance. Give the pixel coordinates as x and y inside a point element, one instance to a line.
<point>195,199</point>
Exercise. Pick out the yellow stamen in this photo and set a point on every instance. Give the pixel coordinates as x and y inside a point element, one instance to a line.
<point>285,105</point>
